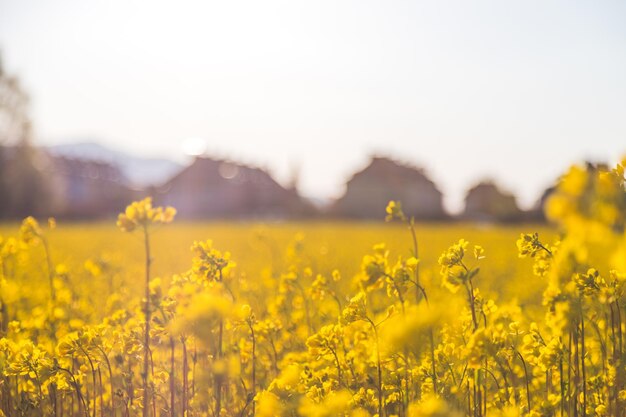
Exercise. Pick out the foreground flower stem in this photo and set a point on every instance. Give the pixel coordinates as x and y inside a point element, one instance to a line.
<point>183,342</point>
<point>108,364</point>
<point>378,367</point>
<point>582,362</point>
<point>146,346</point>
<point>172,381</point>
<point>528,404</point>
<point>251,326</point>
<point>220,341</point>
<point>141,215</point>
<point>420,291</point>
<point>218,378</point>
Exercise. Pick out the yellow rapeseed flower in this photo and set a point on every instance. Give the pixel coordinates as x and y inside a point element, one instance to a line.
<point>141,214</point>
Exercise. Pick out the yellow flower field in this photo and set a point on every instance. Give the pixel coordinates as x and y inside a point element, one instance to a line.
<point>156,317</point>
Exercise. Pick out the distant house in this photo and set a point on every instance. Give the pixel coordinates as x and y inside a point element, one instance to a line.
<point>24,187</point>
<point>369,191</point>
<point>486,202</point>
<point>85,188</point>
<point>213,188</point>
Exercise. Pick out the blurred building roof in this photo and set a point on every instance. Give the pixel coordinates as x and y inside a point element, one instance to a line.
<point>369,191</point>
<point>486,202</point>
<point>215,188</point>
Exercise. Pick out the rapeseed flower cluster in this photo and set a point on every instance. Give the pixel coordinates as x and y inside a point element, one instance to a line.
<point>298,339</point>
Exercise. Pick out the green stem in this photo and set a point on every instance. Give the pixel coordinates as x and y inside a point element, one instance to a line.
<point>582,360</point>
<point>253,367</point>
<point>470,297</point>
<point>526,380</point>
<point>379,369</point>
<point>218,378</point>
<point>146,347</point>
<point>172,380</point>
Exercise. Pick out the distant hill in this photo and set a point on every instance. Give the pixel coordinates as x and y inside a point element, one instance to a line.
<point>138,171</point>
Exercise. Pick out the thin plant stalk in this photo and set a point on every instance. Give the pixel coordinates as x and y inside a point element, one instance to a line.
<point>146,347</point>
<point>378,368</point>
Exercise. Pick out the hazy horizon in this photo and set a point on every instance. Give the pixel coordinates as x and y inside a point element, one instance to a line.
<point>510,91</point>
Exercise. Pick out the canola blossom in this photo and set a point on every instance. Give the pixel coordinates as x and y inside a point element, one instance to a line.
<point>296,338</point>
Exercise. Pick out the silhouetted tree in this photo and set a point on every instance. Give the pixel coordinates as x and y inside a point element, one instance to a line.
<point>23,188</point>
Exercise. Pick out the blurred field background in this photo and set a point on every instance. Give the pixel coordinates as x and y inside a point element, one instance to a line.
<point>263,248</point>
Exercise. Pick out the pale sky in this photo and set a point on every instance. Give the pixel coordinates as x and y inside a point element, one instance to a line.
<point>515,90</point>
